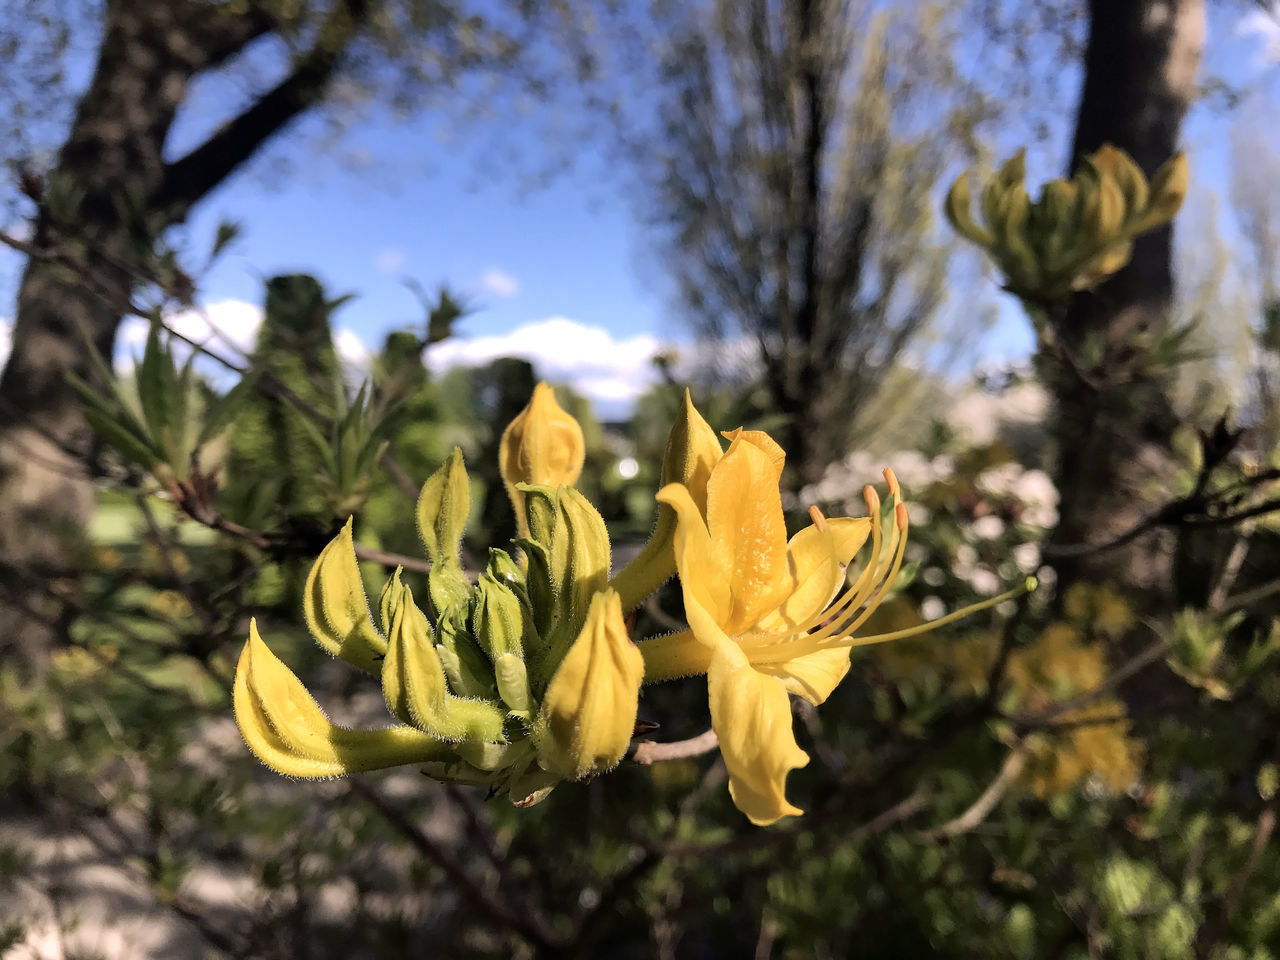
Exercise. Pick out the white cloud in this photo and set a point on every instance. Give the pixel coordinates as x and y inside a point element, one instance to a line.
<point>390,260</point>
<point>1265,25</point>
<point>611,372</point>
<point>499,283</point>
<point>352,351</point>
<point>6,340</point>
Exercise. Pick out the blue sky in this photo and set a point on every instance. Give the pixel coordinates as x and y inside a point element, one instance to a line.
<point>551,260</point>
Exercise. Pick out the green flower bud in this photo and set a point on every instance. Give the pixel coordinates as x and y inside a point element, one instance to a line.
<point>414,683</point>
<point>568,564</point>
<point>501,619</point>
<point>443,508</point>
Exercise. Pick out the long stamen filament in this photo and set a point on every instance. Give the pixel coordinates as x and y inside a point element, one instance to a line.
<point>1028,585</point>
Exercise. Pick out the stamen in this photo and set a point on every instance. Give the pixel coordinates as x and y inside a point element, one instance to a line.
<point>818,519</point>
<point>1028,586</point>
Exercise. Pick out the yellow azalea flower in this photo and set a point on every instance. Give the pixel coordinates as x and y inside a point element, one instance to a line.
<point>765,615</point>
<point>542,445</point>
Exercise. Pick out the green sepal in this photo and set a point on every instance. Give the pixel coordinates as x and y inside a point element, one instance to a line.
<point>337,610</point>
<point>469,670</point>
<point>414,683</point>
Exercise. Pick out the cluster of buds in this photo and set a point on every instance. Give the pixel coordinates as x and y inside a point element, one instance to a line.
<point>520,680</point>
<point>1079,232</point>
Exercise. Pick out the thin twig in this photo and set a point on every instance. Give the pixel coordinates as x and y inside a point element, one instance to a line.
<point>981,808</point>
<point>649,752</point>
<point>1141,661</point>
<point>527,925</point>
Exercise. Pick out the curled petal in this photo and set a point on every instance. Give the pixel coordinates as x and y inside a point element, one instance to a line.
<point>816,558</point>
<point>286,729</point>
<point>751,715</point>
<point>704,571</point>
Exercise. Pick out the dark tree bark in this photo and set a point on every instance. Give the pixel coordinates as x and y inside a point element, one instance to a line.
<point>1140,67</point>
<point>79,281</point>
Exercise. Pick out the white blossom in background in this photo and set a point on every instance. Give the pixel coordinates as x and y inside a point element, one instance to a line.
<point>988,527</point>
<point>979,417</point>
<point>1026,556</point>
<point>931,608</point>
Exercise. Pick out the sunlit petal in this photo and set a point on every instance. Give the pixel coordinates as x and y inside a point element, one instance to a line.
<point>751,714</point>
<point>704,574</point>
<point>812,676</point>
<point>744,518</point>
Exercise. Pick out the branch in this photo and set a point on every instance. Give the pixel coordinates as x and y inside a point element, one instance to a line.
<point>1140,662</point>
<point>648,752</point>
<point>190,178</point>
<point>981,808</point>
<point>527,925</point>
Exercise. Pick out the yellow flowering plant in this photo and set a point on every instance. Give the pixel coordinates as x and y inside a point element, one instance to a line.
<point>529,675</point>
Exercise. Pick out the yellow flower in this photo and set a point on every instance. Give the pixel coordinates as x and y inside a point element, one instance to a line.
<point>765,615</point>
<point>542,445</point>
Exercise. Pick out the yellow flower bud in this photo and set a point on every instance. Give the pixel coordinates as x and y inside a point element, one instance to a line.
<point>542,445</point>
<point>414,684</point>
<point>337,610</point>
<point>443,508</point>
<point>287,730</point>
<point>692,450</point>
<point>588,714</point>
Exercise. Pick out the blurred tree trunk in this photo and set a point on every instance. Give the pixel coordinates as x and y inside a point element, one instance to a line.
<point>108,201</point>
<point>797,197</point>
<point>1140,68</point>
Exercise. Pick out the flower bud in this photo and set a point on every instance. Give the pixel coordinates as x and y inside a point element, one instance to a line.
<point>692,450</point>
<point>568,551</point>
<point>414,684</point>
<point>286,729</point>
<point>588,714</point>
<point>337,610</point>
<point>443,508</point>
<point>542,445</point>
<point>501,619</point>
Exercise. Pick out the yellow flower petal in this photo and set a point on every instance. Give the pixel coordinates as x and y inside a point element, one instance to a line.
<point>751,715</point>
<point>747,530</point>
<point>286,729</point>
<point>704,572</point>
<point>817,559</point>
<point>812,676</point>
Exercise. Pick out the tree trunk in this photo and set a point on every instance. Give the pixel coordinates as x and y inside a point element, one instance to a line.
<point>1140,67</point>
<point>114,151</point>
<point>89,259</point>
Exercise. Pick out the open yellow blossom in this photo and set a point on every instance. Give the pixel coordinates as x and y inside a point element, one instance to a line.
<point>766,615</point>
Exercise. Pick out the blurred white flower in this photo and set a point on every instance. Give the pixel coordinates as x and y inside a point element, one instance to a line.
<point>934,576</point>
<point>1027,556</point>
<point>984,581</point>
<point>931,608</point>
<point>989,527</point>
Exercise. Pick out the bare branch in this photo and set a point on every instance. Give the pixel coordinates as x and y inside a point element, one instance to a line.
<point>981,808</point>
<point>650,752</point>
